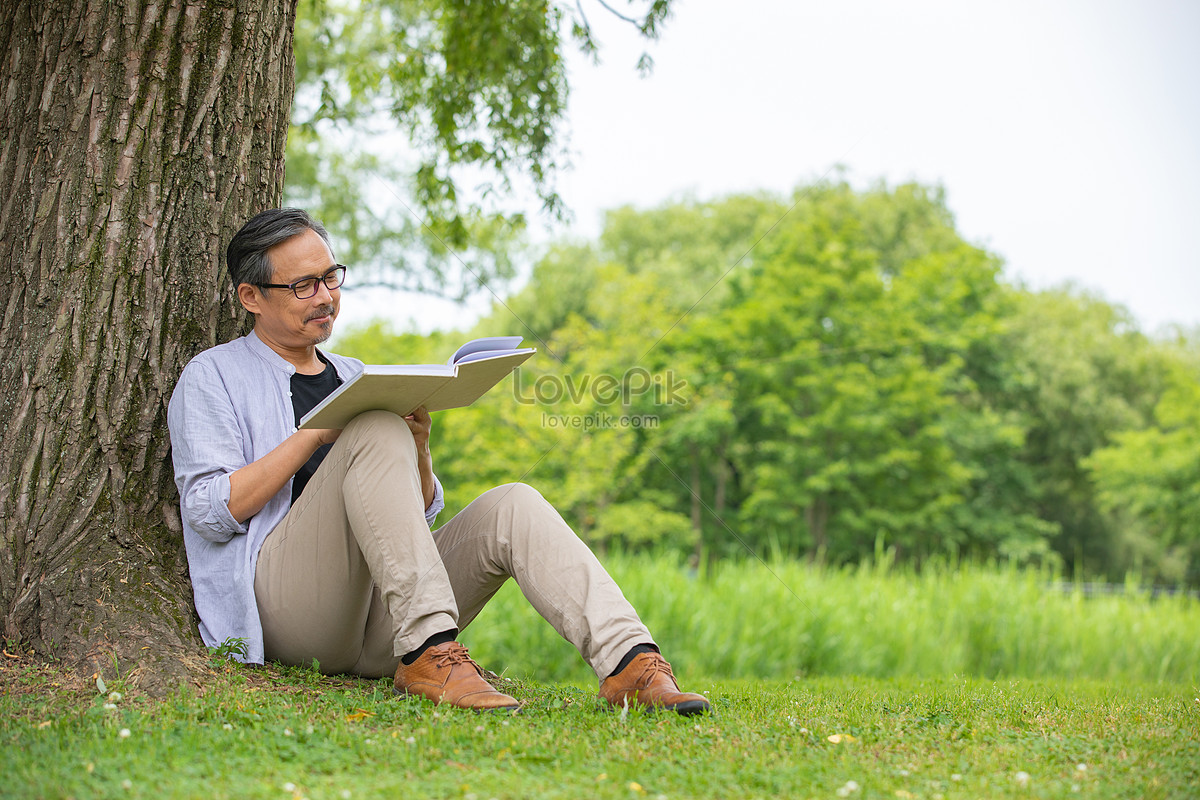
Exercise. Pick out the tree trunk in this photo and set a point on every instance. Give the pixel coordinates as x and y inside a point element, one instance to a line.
<point>722,483</point>
<point>697,516</point>
<point>135,137</point>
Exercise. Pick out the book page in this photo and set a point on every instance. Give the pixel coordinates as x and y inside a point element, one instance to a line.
<point>474,379</point>
<point>486,343</point>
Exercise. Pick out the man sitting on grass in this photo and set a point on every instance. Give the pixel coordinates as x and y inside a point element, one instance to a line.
<point>317,544</point>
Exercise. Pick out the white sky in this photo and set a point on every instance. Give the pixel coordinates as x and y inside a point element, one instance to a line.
<point>1066,134</point>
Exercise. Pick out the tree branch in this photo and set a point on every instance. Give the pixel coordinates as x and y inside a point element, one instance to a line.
<point>619,15</point>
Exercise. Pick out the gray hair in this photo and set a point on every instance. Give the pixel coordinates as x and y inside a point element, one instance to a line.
<point>247,254</point>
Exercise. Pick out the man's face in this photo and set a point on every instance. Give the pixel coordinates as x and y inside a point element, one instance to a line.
<point>283,319</point>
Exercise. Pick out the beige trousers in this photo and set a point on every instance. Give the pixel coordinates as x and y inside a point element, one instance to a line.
<point>354,578</point>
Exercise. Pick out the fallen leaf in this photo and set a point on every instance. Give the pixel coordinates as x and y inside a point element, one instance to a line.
<point>359,715</point>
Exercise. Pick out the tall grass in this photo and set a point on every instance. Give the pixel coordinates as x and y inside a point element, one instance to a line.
<point>787,619</point>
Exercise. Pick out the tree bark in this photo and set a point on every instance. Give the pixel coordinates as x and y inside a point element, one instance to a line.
<point>135,137</point>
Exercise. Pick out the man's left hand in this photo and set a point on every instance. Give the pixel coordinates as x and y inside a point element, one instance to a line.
<point>420,423</point>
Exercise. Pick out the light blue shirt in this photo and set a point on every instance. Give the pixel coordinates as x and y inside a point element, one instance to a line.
<point>232,406</point>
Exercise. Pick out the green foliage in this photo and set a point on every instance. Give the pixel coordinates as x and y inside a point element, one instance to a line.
<point>1076,374</point>
<point>851,341</point>
<point>639,522</point>
<point>233,646</point>
<point>377,343</point>
<point>824,376</point>
<point>415,120</point>
<point>1150,478</point>
<point>560,287</point>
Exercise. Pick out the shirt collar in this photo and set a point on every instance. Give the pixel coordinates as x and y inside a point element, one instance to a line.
<point>260,348</point>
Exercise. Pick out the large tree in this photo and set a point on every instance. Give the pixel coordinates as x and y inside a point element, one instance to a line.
<point>135,137</point>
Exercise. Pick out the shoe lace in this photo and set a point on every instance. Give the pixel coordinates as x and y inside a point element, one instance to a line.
<point>455,654</point>
<point>655,665</point>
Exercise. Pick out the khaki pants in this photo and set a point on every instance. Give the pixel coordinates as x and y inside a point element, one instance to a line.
<point>354,578</point>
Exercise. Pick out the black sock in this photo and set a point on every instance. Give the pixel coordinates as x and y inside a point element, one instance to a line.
<point>637,650</point>
<point>436,639</point>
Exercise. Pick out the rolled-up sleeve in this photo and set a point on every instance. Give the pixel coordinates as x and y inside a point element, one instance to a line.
<point>206,448</point>
<point>439,502</point>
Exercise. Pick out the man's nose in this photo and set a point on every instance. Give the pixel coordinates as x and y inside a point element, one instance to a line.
<point>324,293</point>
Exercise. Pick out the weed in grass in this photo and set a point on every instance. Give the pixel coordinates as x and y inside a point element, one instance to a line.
<point>228,649</point>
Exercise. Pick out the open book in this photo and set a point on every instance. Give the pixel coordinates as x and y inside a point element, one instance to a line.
<point>474,368</point>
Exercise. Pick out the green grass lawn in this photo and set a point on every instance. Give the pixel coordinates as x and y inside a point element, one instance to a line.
<point>292,733</point>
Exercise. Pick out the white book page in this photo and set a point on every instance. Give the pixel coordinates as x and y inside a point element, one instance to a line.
<point>487,343</point>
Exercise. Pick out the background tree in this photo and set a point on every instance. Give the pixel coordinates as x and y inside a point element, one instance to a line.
<point>862,378</point>
<point>476,89</point>
<point>862,321</point>
<point>1149,479</point>
<point>1078,372</point>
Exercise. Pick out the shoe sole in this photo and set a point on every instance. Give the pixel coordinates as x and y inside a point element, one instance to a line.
<point>514,709</point>
<point>687,708</point>
<point>690,708</point>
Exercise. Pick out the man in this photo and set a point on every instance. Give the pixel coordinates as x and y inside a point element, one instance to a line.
<point>317,544</point>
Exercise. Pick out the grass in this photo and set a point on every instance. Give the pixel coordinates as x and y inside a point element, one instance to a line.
<point>788,619</point>
<point>286,733</point>
<point>964,683</point>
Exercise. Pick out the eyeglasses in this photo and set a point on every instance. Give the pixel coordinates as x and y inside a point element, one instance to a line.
<point>307,287</point>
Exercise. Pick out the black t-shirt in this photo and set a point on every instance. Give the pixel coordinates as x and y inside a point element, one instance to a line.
<point>307,391</point>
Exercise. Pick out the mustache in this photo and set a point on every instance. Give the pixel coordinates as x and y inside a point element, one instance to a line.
<point>323,311</point>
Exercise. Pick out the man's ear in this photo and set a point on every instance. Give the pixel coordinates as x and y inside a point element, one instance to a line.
<point>249,297</point>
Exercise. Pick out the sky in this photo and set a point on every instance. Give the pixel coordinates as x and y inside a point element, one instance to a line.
<point>1066,134</point>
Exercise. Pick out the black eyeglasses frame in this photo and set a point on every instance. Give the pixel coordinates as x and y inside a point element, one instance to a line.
<point>339,270</point>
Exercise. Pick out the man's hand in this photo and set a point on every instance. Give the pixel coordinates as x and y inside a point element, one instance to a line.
<point>420,423</point>
<point>254,484</point>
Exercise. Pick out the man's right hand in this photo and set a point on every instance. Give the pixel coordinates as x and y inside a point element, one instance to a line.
<point>254,484</point>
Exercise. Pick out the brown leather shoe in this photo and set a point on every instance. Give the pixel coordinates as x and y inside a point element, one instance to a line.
<point>648,680</point>
<point>445,673</point>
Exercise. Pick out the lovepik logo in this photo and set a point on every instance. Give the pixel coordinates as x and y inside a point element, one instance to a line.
<point>604,389</point>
